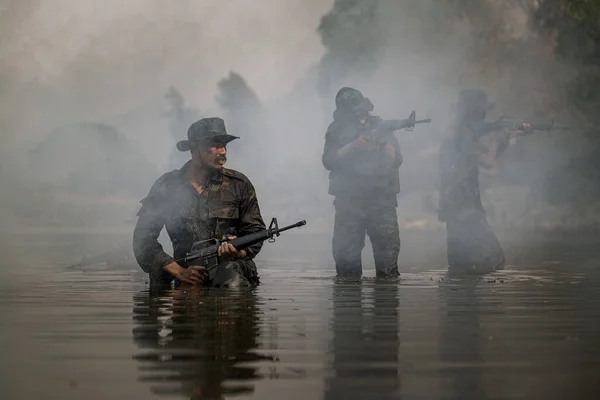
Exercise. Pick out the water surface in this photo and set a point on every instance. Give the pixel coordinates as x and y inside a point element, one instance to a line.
<point>530,332</point>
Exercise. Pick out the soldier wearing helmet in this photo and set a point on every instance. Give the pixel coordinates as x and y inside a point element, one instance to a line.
<point>365,182</point>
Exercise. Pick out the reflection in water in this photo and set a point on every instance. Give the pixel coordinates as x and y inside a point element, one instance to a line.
<point>459,340</point>
<point>194,341</point>
<point>365,341</point>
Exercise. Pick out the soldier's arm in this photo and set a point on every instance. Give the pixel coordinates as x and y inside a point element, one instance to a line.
<point>392,152</point>
<point>250,217</point>
<point>334,152</point>
<point>329,158</point>
<point>147,249</point>
<point>487,128</point>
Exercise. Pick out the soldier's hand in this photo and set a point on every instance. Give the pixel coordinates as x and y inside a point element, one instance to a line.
<point>523,129</point>
<point>193,274</point>
<point>360,143</point>
<point>228,252</point>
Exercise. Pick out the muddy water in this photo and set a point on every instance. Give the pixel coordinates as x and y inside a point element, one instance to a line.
<point>530,332</point>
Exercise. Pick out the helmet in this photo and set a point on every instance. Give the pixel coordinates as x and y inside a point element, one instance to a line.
<point>353,101</point>
<point>474,101</point>
<point>348,98</point>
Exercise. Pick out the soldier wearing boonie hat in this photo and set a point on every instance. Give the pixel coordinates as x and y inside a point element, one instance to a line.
<point>206,129</point>
<point>202,200</point>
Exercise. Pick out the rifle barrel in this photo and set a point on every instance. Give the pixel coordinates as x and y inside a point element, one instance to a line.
<point>296,225</point>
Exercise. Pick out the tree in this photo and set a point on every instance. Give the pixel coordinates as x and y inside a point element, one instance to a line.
<point>180,118</point>
<point>575,27</point>
<point>241,105</point>
<point>245,115</point>
<point>351,38</point>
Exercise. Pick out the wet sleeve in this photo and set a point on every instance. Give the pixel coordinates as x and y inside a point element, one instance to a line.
<point>250,217</point>
<point>486,128</point>
<point>147,249</point>
<point>394,142</point>
<point>329,158</point>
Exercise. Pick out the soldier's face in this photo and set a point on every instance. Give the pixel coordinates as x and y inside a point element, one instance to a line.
<point>212,155</point>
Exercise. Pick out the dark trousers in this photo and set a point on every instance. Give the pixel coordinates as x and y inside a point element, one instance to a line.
<point>472,245</point>
<point>354,219</point>
<point>239,273</point>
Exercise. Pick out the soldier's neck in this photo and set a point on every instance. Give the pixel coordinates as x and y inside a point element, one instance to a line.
<point>198,175</point>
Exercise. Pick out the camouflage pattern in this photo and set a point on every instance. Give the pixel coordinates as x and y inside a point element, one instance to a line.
<point>228,206</point>
<point>471,242</point>
<point>376,218</point>
<point>351,101</point>
<point>362,174</point>
<point>472,245</point>
<point>365,189</point>
<point>459,175</point>
<point>347,98</point>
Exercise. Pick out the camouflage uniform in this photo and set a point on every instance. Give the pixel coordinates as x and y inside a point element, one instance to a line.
<point>471,242</point>
<point>227,206</point>
<point>365,191</point>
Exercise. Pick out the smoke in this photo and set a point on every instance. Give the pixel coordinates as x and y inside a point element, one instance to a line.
<point>93,61</point>
<point>113,63</point>
<point>246,117</point>
<point>417,55</point>
<point>351,33</point>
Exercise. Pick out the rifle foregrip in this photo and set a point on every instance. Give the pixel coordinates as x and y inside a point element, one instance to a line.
<point>248,240</point>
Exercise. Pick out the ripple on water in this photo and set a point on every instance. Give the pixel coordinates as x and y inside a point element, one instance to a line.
<point>522,333</point>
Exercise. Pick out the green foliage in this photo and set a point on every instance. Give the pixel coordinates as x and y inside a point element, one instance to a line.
<point>576,24</point>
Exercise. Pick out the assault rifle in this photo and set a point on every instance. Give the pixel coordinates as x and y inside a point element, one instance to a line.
<point>503,133</point>
<point>205,252</point>
<point>377,124</point>
<point>376,127</point>
<point>509,125</point>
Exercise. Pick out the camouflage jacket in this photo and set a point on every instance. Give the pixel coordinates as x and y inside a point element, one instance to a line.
<point>459,170</point>
<point>363,173</point>
<point>228,206</point>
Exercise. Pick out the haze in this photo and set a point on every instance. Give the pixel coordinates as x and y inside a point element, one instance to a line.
<point>74,71</point>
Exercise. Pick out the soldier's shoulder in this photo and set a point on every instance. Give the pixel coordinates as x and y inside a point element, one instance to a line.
<point>165,182</point>
<point>334,127</point>
<point>237,175</point>
<point>168,177</point>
